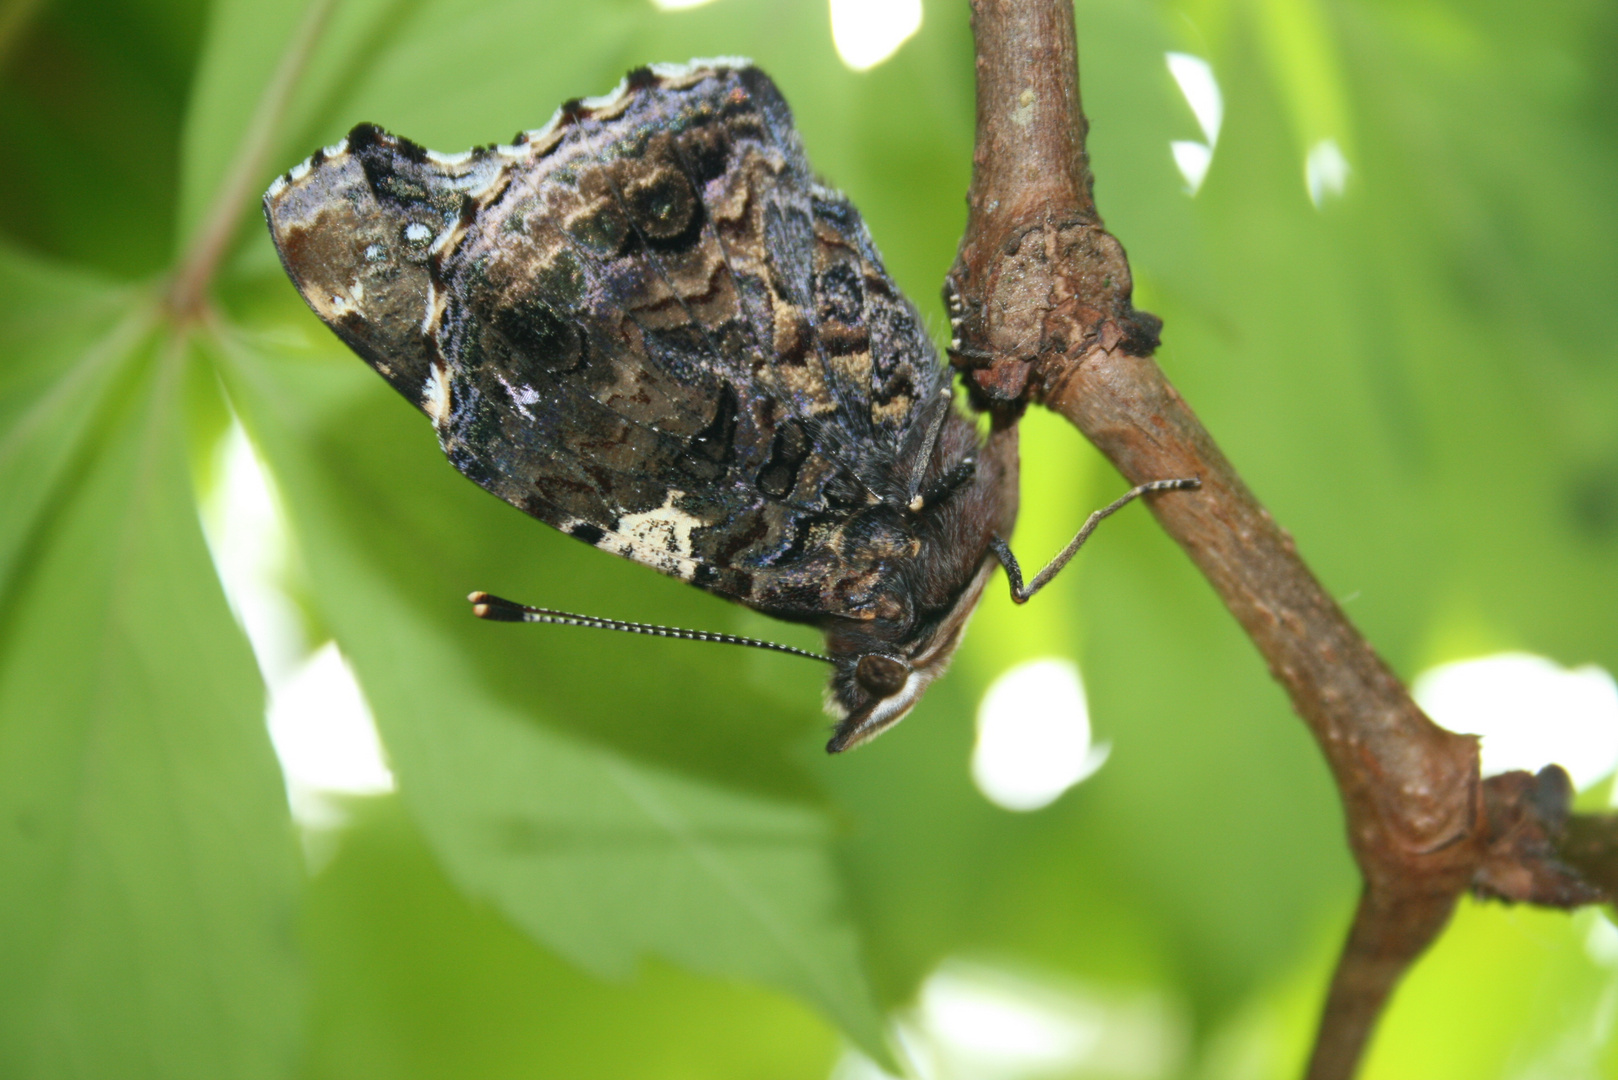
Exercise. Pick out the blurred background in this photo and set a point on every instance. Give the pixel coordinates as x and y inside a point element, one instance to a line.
<point>273,805</point>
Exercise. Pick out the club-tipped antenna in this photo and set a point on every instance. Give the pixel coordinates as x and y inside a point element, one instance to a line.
<point>498,609</point>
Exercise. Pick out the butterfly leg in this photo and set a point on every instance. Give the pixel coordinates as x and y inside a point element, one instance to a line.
<point>1014,572</point>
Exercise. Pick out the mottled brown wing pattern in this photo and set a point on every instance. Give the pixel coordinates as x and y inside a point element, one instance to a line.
<point>646,325</point>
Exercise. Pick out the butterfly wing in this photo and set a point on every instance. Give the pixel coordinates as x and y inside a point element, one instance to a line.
<point>648,326</point>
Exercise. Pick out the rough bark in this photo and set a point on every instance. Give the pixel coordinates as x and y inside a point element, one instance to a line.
<point>1040,306</point>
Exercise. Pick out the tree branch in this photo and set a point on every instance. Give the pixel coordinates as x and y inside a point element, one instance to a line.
<point>1589,845</point>
<point>1040,306</point>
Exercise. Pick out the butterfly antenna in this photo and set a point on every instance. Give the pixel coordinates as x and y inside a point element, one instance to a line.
<point>497,609</point>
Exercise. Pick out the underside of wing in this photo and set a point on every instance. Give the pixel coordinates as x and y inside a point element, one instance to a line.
<point>647,325</point>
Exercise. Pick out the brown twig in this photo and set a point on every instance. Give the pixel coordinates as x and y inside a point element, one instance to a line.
<point>1589,844</point>
<point>1039,299</point>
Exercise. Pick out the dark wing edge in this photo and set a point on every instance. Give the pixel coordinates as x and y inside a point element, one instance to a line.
<point>366,229</point>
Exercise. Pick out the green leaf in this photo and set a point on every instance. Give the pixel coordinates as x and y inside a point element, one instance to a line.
<point>1416,376</point>
<point>413,979</point>
<point>147,870</point>
<point>94,90</point>
<point>599,856</point>
<point>1505,992</point>
<point>252,60</point>
<point>68,336</point>
<point>279,78</point>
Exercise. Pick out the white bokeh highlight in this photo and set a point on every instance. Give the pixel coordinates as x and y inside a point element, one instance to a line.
<point>319,723</point>
<point>867,32</point>
<point>678,5</point>
<point>1034,738</point>
<point>1195,78</point>
<point>248,541</point>
<point>1601,940</point>
<point>1325,171</point>
<point>1530,711</point>
<point>975,1021</point>
<point>1192,159</point>
<point>1006,1027</point>
<point>325,736</point>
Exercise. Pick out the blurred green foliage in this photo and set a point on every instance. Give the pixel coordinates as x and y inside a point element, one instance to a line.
<point>627,858</point>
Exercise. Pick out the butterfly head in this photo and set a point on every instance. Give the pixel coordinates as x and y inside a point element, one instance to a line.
<point>878,682</point>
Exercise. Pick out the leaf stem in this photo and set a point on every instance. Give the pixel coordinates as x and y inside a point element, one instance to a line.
<point>15,19</point>
<point>210,242</point>
<point>73,385</point>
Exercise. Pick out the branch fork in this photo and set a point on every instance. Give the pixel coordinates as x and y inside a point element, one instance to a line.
<point>1040,307</point>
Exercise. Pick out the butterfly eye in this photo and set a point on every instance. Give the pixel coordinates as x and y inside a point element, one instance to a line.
<point>881,675</point>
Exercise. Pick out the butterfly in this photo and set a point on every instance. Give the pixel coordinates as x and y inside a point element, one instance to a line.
<point>648,325</point>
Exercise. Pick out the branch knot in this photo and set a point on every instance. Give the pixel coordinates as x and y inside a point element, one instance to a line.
<point>1527,815</point>
<point>1026,310</point>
